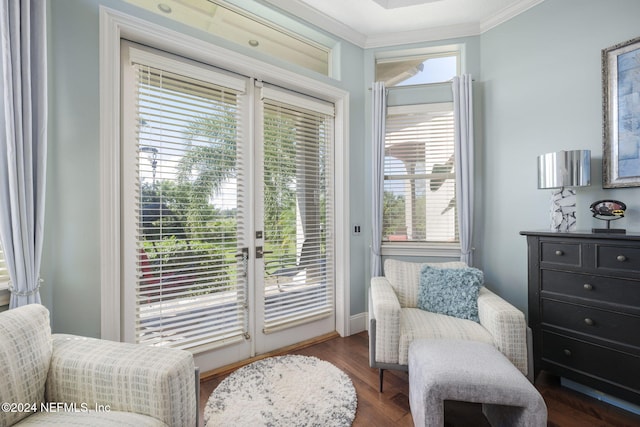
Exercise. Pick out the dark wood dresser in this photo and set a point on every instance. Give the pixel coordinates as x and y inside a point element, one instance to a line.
<point>584,308</point>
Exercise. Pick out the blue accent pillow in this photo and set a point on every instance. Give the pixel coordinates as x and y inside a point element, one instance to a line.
<point>450,291</point>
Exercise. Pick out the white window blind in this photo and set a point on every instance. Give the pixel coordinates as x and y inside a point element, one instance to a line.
<point>4,273</point>
<point>298,210</point>
<point>190,287</point>
<point>419,182</point>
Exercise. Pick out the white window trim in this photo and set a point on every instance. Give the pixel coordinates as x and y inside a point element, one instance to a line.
<point>116,25</point>
<point>440,250</point>
<point>418,108</point>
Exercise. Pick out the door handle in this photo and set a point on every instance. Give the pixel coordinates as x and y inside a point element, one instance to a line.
<point>243,256</point>
<point>260,252</point>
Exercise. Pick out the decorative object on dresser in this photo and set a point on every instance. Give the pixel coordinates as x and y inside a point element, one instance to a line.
<point>620,108</point>
<point>561,171</point>
<point>608,210</point>
<point>584,309</point>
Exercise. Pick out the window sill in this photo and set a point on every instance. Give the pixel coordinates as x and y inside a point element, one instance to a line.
<point>443,250</point>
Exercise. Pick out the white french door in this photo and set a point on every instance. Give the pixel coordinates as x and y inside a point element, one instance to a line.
<point>227,222</point>
<point>294,184</point>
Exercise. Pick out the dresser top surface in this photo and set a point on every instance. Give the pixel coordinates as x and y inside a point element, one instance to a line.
<point>584,234</point>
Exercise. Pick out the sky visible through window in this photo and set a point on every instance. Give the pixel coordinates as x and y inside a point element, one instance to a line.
<point>435,70</point>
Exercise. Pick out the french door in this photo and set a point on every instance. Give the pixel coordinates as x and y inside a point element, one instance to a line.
<point>294,218</point>
<point>227,222</point>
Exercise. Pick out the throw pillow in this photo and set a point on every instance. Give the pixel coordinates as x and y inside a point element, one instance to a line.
<point>404,278</point>
<point>453,292</point>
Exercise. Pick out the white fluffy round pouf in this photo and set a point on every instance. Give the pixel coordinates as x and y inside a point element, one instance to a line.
<point>283,391</point>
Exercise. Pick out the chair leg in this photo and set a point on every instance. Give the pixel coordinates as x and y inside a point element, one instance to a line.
<point>381,373</point>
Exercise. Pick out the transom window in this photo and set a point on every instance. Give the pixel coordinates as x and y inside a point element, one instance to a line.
<point>418,69</point>
<point>419,175</point>
<point>240,26</point>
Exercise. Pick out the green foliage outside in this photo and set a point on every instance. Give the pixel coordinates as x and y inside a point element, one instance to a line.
<point>394,221</point>
<point>184,232</point>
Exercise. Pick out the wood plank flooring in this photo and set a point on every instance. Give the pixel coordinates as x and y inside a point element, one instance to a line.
<point>566,407</point>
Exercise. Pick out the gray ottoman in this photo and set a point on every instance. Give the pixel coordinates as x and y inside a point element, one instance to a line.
<point>470,371</point>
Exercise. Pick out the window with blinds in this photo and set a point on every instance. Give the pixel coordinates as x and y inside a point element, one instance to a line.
<point>190,287</point>
<point>419,176</point>
<point>298,210</point>
<point>4,273</point>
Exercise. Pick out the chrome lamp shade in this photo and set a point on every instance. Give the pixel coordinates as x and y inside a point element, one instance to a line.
<point>564,170</point>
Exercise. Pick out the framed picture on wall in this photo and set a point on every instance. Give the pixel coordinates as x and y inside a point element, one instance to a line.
<point>621,115</point>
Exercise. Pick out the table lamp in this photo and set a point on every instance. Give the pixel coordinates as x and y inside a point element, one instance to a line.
<point>562,171</point>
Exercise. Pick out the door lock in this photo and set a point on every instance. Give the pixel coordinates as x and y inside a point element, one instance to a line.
<point>260,252</point>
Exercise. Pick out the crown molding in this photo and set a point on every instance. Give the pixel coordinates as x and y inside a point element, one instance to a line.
<point>424,35</point>
<point>395,4</point>
<point>313,16</point>
<point>507,13</point>
<point>320,20</point>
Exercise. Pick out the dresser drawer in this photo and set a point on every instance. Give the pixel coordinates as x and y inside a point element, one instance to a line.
<point>560,253</point>
<point>601,289</point>
<point>604,324</point>
<point>611,365</point>
<point>620,258</point>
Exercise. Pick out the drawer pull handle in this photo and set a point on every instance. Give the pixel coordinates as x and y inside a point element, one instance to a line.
<point>587,287</point>
<point>567,352</point>
<point>588,321</point>
<point>621,258</point>
<point>559,253</point>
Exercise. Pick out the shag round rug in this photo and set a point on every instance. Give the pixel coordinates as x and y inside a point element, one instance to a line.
<point>283,391</point>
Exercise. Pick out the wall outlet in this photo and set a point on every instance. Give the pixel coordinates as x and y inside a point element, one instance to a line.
<point>357,229</point>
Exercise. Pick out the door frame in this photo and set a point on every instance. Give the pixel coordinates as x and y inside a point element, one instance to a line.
<point>114,26</point>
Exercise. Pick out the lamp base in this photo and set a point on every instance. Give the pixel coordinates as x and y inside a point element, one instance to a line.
<point>609,230</point>
<point>563,210</point>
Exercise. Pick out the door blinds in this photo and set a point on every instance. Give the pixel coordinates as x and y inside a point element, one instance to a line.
<point>298,209</point>
<point>419,181</point>
<point>190,286</point>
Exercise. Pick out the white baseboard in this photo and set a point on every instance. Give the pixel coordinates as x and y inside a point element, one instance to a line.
<point>358,323</point>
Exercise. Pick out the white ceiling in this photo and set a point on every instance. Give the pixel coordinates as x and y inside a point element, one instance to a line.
<point>376,23</point>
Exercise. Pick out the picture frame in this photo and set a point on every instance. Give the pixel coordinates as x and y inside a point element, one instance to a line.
<point>621,115</point>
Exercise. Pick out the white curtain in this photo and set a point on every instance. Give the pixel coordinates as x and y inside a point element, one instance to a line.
<point>23,145</point>
<point>463,119</point>
<point>378,135</point>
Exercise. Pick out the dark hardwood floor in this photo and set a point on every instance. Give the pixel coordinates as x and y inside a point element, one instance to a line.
<point>566,407</point>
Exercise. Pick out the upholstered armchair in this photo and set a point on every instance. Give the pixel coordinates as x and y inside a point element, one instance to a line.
<point>395,320</point>
<point>69,380</point>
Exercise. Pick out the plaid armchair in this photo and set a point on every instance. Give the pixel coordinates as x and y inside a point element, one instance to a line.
<point>395,321</point>
<point>69,380</point>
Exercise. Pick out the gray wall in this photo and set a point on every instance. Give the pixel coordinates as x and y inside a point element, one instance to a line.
<point>542,91</point>
<point>537,90</point>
